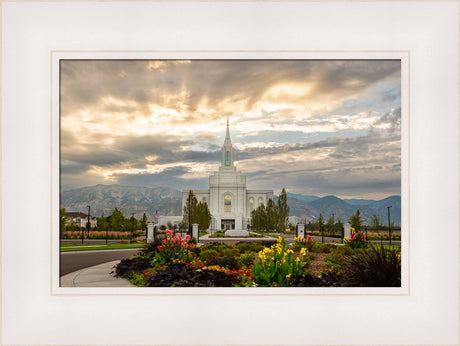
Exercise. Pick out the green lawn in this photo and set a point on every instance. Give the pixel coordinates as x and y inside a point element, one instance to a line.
<point>88,247</point>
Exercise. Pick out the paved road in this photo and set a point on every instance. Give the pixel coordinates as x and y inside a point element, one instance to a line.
<point>73,261</point>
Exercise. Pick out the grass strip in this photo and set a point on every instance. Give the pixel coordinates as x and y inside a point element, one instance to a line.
<point>90,247</point>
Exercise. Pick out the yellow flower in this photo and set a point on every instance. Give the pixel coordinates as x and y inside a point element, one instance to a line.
<point>297,259</point>
<point>347,238</point>
<point>303,251</point>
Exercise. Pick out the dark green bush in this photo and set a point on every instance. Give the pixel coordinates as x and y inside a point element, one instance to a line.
<point>150,249</point>
<point>227,262</point>
<point>324,279</point>
<point>195,250</point>
<point>181,275</point>
<point>138,264</point>
<point>375,267</point>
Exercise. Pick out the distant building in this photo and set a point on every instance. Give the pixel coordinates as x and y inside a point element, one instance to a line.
<point>174,220</point>
<point>81,219</point>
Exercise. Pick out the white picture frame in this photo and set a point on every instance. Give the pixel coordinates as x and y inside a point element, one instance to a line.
<point>424,34</point>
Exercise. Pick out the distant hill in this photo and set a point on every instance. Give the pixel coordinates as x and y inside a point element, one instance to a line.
<point>129,199</point>
<point>168,201</point>
<point>395,211</point>
<point>342,209</point>
<point>299,208</point>
<point>304,198</point>
<point>354,201</point>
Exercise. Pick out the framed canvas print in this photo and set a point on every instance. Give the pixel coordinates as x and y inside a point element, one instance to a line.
<point>246,172</point>
<point>234,204</point>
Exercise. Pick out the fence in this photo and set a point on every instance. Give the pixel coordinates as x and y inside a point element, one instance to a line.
<point>101,234</point>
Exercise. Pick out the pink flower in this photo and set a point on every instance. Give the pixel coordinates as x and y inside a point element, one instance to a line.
<point>160,247</point>
<point>187,237</point>
<point>169,233</point>
<point>164,241</point>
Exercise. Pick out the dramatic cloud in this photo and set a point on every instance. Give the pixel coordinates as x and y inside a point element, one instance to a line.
<point>316,127</point>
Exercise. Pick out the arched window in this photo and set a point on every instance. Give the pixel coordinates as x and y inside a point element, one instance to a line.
<point>204,199</point>
<point>251,204</point>
<point>227,158</point>
<point>228,203</point>
<point>261,201</point>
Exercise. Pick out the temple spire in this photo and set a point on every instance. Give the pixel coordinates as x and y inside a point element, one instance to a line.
<point>227,135</point>
<point>227,150</point>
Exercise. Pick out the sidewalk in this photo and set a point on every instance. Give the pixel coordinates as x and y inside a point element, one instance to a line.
<point>207,239</point>
<point>96,276</point>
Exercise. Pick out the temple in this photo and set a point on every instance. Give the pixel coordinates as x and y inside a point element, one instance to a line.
<point>228,199</point>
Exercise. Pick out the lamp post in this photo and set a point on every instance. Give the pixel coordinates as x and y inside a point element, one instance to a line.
<point>132,226</point>
<point>389,227</point>
<point>333,228</point>
<point>82,229</point>
<point>88,224</point>
<point>190,213</point>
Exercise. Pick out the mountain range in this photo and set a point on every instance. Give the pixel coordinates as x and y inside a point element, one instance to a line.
<point>138,200</point>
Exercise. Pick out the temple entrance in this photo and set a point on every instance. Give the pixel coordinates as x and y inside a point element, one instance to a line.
<point>228,224</point>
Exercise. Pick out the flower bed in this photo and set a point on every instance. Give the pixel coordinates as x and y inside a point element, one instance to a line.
<point>174,262</point>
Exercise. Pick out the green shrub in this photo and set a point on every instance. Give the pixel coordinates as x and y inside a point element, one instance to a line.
<point>232,252</point>
<point>297,246</point>
<point>337,257</point>
<point>247,259</point>
<point>205,254</point>
<point>322,248</point>
<point>250,246</point>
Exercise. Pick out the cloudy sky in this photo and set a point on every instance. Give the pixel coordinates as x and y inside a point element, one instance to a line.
<point>316,127</point>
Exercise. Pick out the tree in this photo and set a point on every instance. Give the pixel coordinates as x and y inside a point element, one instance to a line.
<point>192,203</point>
<point>143,222</point>
<point>259,217</point>
<point>283,211</point>
<point>271,212</point>
<point>339,225</point>
<point>72,226</point>
<point>320,222</point>
<point>330,225</point>
<point>355,221</point>
<point>102,223</point>
<point>62,221</point>
<point>170,225</point>
<point>116,219</point>
<point>375,222</point>
<point>200,213</point>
